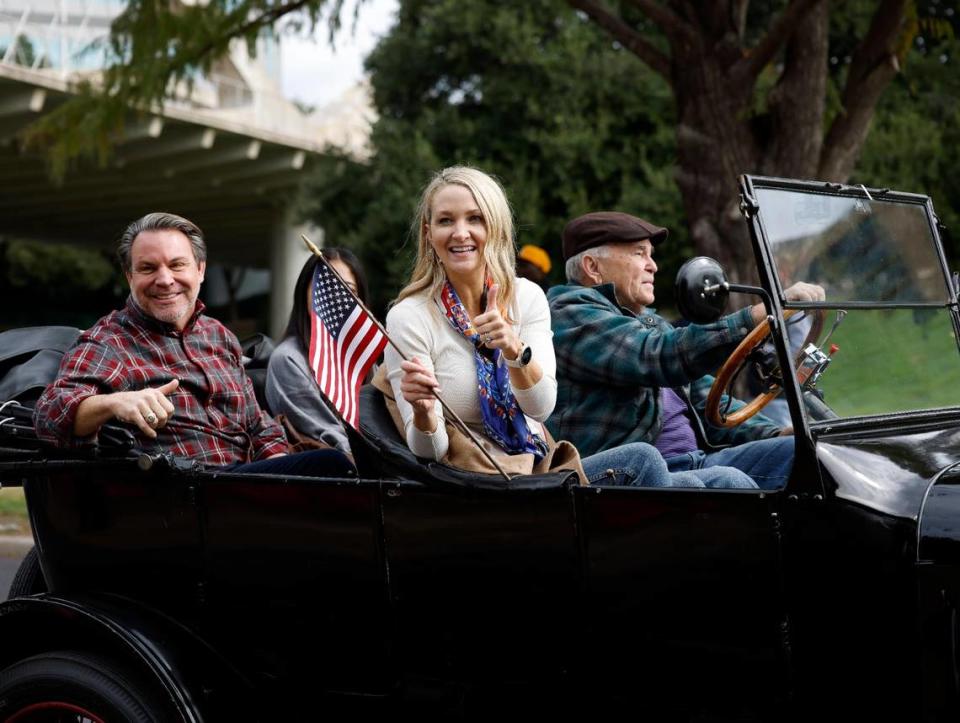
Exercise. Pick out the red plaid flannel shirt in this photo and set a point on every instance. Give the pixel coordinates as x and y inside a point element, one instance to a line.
<point>216,419</point>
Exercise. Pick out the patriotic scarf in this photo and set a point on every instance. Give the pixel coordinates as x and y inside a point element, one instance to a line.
<point>503,420</point>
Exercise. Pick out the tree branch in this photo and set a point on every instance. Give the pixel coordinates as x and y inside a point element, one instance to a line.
<point>667,20</point>
<point>780,31</point>
<point>625,35</point>
<point>796,104</point>
<point>267,19</point>
<point>153,47</point>
<point>874,65</point>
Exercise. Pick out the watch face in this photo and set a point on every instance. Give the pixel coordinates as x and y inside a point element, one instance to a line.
<point>526,355</point>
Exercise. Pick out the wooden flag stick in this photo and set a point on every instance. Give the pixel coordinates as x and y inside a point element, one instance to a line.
<point>453,416</point>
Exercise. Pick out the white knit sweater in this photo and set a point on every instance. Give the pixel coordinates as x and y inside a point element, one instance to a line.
<point>418,326</point>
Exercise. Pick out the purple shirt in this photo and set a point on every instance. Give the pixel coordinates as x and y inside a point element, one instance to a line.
<point>677,436</point>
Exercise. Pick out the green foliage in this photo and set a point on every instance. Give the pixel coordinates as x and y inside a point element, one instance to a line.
<point>12,503</point>
<point>61,266</point>
<point>48,283</point>
<point>914,144</point>
<point>24,54</point>
<point>530,91</point>
<point>892,360</point>
<point>527,91</point>
<point>155,50</point>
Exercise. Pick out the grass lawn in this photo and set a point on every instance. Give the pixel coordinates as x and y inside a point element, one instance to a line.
<point>13,512</point>
<point>892,360</point>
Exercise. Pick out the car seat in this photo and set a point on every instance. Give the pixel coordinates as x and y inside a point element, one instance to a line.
<point>256,356</point>
<point>380,451</point>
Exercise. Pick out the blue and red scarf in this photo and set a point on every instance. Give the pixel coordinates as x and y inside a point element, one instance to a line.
<point>503,420</point>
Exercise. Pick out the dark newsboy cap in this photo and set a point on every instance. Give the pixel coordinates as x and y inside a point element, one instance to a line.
<point>607,227</point>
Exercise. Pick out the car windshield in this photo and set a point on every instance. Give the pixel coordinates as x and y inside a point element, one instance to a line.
<point>858,249</point>
<point>878,260</point>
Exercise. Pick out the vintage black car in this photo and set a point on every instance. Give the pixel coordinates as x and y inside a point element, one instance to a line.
<point>171,592</point>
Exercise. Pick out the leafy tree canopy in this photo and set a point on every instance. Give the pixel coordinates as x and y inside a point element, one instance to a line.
<point>566,121</point>
<point>61,267</point>
<point>915,141</point>
<point>781,87</point>
<point>51,283</point>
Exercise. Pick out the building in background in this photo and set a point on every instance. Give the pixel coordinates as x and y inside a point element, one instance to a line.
<point>230,153</point>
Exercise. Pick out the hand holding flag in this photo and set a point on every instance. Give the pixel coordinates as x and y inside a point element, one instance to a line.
<point>345,341</point>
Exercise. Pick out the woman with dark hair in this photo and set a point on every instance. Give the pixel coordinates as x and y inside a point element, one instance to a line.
<point>292,389</point>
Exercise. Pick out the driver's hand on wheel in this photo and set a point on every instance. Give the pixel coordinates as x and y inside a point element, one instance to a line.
<point>802,291</point>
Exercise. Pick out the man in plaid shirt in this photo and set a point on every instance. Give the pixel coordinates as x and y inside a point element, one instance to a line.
<point>162,366</point>
<point>626,375</point>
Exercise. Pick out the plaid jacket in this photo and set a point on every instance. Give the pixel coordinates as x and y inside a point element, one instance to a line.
<point>216,420</point>
<point>611,364</point>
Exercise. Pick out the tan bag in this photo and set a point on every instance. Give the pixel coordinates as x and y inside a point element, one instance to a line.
<point>296,441</point>
<point>464,455</point>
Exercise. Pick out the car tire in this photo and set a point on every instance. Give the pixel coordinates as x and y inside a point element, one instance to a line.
<point>76,685</point>
<point>29,578</point>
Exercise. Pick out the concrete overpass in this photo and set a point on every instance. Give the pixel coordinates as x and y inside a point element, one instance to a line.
<point>235,167</point>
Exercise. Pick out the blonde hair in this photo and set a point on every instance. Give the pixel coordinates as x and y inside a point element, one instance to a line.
<point>499,251</point>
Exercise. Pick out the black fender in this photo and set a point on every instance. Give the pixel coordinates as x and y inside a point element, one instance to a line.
<point>938,594</point>
<point>197,683</point>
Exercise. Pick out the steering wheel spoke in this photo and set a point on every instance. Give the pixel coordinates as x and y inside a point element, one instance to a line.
<point>737,359</point>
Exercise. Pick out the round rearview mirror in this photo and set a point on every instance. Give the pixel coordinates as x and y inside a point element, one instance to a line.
<point>700,291</point>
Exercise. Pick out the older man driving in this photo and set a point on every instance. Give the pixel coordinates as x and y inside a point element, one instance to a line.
<point>627,375</point>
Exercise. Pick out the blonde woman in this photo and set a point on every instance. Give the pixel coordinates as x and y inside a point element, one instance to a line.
<point>480,336</point>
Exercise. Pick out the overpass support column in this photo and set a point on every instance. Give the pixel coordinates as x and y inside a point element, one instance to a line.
<point>287,256</point>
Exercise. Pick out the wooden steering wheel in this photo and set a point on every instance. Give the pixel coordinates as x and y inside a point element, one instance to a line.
<point>736,360</point>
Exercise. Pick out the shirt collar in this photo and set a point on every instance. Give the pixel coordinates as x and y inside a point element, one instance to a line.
<point>609,292</point>
<point>163,327</point>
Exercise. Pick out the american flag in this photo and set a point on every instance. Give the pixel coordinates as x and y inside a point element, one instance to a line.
<point>344,342</point>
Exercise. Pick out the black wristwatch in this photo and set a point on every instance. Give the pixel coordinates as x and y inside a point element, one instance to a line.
<point>523,358</point>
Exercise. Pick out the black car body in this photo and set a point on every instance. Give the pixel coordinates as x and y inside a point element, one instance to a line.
<point>225,596</point>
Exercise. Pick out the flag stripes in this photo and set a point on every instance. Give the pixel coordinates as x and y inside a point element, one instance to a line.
<point>344,342</point>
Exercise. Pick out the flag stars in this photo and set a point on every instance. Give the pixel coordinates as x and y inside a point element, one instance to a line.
<point>331,301</point>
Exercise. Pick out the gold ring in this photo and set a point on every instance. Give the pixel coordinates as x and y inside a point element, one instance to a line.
<point>151,418</point>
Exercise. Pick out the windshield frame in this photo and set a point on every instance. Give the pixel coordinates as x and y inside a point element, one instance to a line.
<point>777,304</point>
<point>752,208</point>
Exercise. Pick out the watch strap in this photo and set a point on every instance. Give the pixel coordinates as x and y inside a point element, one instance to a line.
<point>523,358</point>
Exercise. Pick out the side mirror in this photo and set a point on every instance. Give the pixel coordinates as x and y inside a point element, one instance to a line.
<point>702,290</point>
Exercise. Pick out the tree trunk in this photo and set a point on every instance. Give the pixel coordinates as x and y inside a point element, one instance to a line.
<point>726,130</point>
<point>714,146</point>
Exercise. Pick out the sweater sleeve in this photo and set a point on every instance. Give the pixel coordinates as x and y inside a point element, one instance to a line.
<point>599,344</point>
<point>409,326</point>
<point>292,391</point>
<point>539,400</point>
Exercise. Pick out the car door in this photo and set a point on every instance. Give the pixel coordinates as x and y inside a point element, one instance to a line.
<point>295,580</point>
<point>681,585</point>
<point>481,579</point>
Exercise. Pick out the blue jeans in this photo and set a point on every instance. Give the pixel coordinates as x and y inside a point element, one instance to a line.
<point>641,465</point>
<point>315,463</point>
<point>767,461</point>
